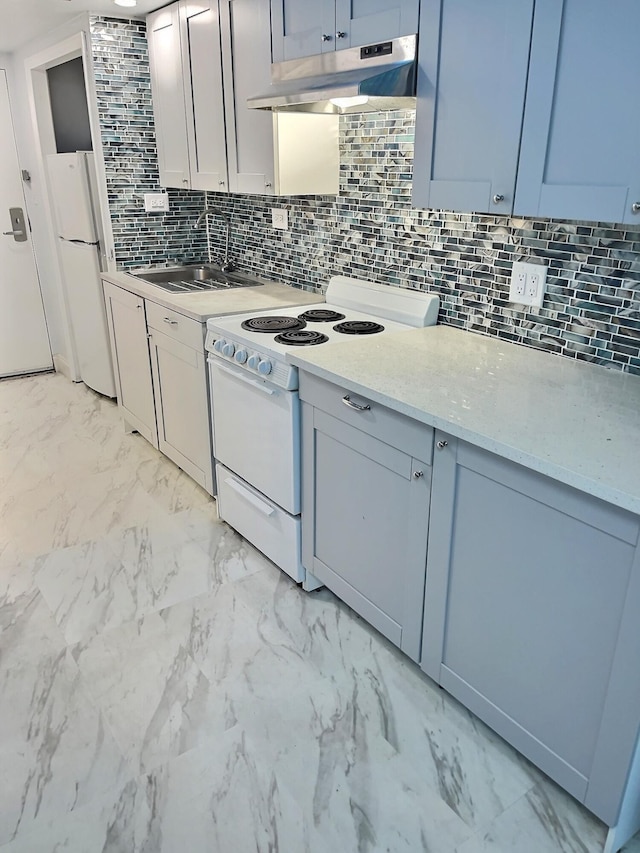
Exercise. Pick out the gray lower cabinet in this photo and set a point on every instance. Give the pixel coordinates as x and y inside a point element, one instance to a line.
<point>365,506</point>
<point>532,615</point>
<point>161,379</point>
<point>130,352</point>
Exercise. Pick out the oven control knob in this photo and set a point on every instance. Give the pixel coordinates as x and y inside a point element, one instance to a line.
<point>228,350</point>
<point>264,368</point>
<point>241,356</point>
<point>254,361</point>
<point>219,345</point>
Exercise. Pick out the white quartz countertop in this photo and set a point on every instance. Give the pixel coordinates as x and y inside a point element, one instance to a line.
<point>200,306</point>
<point>575,422</point>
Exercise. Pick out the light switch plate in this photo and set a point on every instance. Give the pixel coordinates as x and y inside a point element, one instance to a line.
<point>156,202</point>
<point>528,283</point>
<point>280,218</point>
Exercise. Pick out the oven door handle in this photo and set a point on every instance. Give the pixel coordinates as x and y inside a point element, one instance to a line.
<point>249,497</point>
<point>259,386</point>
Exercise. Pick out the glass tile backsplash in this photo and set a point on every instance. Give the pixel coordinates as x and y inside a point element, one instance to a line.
<point>591,310</point>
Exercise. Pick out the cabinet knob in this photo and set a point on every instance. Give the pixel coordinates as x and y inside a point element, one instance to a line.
<point>442,444</point>
<point>498,197</point>
<point>185,180</point>
<point>341,35</point>
<point>635,207</point>
<point>326,37</point>
<point>220,183</point>
<point>418,474</point>
<point>139,307</point>
<point>268,184</point>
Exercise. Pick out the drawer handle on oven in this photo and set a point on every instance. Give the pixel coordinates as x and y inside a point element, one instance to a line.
<point>170,322</point>
<point>249,497</point>
<point>349,402</point>
<point>257,385</point>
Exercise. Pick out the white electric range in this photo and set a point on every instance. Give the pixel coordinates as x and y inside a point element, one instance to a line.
<point>256,408</point>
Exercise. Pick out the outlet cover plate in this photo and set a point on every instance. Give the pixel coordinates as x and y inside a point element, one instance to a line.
<point>528,283</point>
<point>156,202</point>
<point>280,218</point>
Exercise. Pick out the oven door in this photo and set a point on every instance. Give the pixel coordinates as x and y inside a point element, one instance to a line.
<point>256,432</point>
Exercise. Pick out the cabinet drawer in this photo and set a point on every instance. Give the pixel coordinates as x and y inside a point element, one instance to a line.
<point>393,428</point>
<point>176,326</point>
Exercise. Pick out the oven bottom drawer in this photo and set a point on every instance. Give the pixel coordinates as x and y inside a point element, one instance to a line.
<point>262,522</point>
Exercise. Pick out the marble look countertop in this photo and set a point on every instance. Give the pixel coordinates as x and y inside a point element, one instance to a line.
<point>575,422</point>
<point>200,306</point>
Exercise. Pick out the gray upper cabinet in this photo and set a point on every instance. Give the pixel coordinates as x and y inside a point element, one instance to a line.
<point>308,27</point>
<point>580,155</point>
<point>365,507</point>
<point>247,60</point>
<point>532,596</point>
<point>206,60</point>
<point>472,79</point>
<point>169,108</point>
<point>528,112</point>
<point>202,76</point>
<point>188,104</point>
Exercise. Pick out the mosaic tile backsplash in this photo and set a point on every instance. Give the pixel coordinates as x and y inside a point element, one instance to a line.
<point>591,310</point>
<point>123,83</point>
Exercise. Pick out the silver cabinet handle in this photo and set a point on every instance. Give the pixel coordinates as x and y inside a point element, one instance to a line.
<point>15,233</point>
<point>418,474</point>
<point>341,35</point>
<point>635,207</point>
<point>442,444</point>
<point>170,322</point>
<point>326,37</point>
<point>498,197</point>
<point>349,402</point>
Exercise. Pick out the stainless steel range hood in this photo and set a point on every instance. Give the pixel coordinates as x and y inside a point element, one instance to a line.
<point>355,80</point>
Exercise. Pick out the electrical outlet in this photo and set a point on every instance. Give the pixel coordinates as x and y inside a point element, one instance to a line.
<point>156,202</point>
<point>280,218</point>
<point>528,283</point>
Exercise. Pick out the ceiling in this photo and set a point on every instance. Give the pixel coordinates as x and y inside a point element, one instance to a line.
<point>23,20</point>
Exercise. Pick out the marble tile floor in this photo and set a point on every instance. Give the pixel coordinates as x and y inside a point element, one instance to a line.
<point>164,688</point>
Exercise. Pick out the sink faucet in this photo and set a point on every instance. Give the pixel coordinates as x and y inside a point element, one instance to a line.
<point>227,265</point>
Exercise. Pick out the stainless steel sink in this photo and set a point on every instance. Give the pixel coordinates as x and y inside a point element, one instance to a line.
<point>195,278</point>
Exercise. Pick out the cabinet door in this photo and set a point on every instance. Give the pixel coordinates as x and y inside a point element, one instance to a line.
<point>528,582</point>
<point>169,110</point>
<point>246,52</point>
<point>580,156</point>
<point>360,22</point>
<point>302,28</point>
<point>472,77</point>
<point>364,524</point>
<point>202,51</point>
<point>130,351</point>
<point>180,385</point>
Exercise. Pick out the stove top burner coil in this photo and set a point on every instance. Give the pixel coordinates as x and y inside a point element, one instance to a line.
<point>358,327</point>
<point>273,324</point>
<point>301,338</point>
<point>321,315</point>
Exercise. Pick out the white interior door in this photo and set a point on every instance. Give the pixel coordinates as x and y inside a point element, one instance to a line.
<point>24,341</point>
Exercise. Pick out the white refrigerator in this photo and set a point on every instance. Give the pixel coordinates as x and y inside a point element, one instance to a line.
<point>72,183</point>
